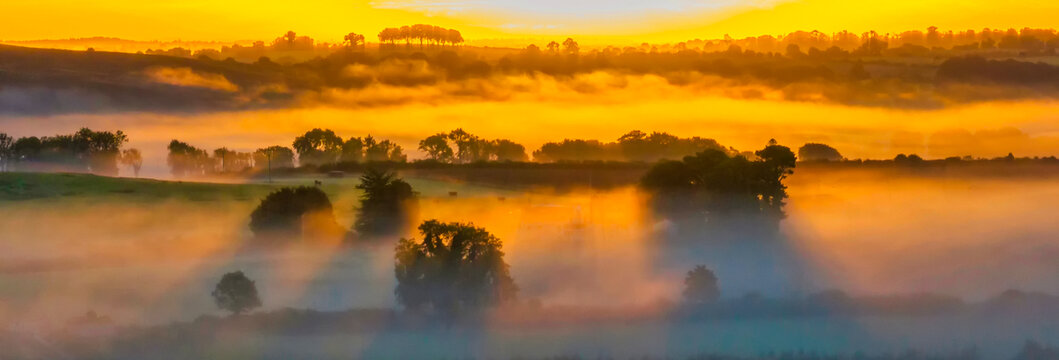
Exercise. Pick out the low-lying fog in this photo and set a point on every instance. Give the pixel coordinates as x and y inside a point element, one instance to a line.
<point>147,261</point>
<point>991,129</point>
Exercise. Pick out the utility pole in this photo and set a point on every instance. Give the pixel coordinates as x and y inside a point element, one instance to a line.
<point>268,155</point>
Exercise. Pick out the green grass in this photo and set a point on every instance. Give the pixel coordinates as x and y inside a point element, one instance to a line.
<point>15,186</point>
<point>31,186</point>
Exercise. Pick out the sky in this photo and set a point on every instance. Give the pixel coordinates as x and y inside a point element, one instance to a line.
<point>503,22</point>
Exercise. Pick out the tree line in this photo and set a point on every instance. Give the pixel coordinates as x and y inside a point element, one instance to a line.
<point>430,34</point>
<point>315,147</point>
<point>98,152</point>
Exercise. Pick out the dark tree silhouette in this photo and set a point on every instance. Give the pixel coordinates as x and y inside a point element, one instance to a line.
<point>274,157</point>
<point>570,46</point>
<point>83,151</point>
<point>353,150</point>
<point>385,150</point>
<point>633,146</point>
<point>291,213</point>
<point>713,184</point>
<point>507,150</point>
<point>437,147</point>
<point>423,33</point>
<point>387,204</point>
<point>186,160</point>
<point>818,152</point>
<point>700,286</point>
<point>353,40</point>
<point>236,293</point>
<point>455,267</point>
<point>318,146</point>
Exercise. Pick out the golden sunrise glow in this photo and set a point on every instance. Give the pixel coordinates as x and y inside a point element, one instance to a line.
<point>504,23</point>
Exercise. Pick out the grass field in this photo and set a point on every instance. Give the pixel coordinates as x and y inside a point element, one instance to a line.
<point>16,186</point>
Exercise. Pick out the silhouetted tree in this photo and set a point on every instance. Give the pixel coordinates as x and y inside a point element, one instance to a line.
<point>274,157</point>
<point>85,150</point>
<point>186,160</point>
<point>291,213</point>
<point>132,159</point>
<point>818,152</point>
<point>570,46</point>
<point>226,160</point>
<point>911,159</point>
<point>437,147</point>
<point>454,267</point>
<point>353,150</point>
<point>352,40</point>
<point>384,150</point>
<point>236,293</point>
<point>507,150</point>
<point>318,146</point>
<point>700,286</point>
<point>553,47</point>
<point>387,204</point>
<point>713,183</point>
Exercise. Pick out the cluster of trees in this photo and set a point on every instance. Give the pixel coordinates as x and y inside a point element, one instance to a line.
<point>186,160</point>
<point>976,69</point>
<point>287,48</point>
<point>874,43</point>
<point>470,148</point>
<point>322,146</point>
<point>714,183</point>
<point>454,267</point>
<point>430,34</point>
<point>315,147</point>
<point>387,206</point>
<point>98,152</point>
<point>633,146</point>
<point>816,152</point>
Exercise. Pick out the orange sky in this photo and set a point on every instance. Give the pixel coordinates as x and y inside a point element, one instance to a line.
<point>509,22</point>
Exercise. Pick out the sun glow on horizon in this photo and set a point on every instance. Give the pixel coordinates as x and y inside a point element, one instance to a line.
<point>504,23</point>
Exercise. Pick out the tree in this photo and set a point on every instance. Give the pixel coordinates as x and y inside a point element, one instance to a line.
<point>7,151</point>
<point>387,204</point>
<point>570,46</point>
<point>469,148</point>
<point>274,157</point>
<point>236,293</point>
<point>818,152</point>
<point>437,147</point>
<point>716,184</point>
<point>353,39</point>
<point>454,37</point>
<point>507,150</point>
<point>453,268</point>
<point>700,286</point>
<point>186,160</point>
<point>301,212</point>
<point>318,146</point>
<point>291,38</point>
<point>353,150</point>
<point>553,47</point>
<point>132,159</point>
<point>385,150</point>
